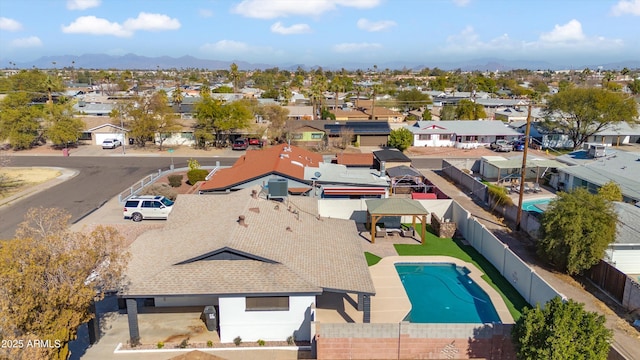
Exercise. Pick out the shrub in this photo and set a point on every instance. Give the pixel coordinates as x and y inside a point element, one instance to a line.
<point>160,189</point>
<point>237,340</point>
<point>175,180</point>
<point>209,343</point>
<point>291,340</point>
<point>196,175</point>
<point>261,342</point>
<point>193,164</point>
<point>160,345</point>
<point>499,195</point>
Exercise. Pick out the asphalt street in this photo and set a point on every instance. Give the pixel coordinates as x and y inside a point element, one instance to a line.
<point>99,179</point>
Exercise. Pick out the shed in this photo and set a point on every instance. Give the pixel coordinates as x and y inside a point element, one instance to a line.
<point>390,158</point>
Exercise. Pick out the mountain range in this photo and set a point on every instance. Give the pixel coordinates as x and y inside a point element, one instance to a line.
<point>132,61</point>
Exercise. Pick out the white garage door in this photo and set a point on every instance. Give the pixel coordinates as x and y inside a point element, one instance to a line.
<point>100,137</point>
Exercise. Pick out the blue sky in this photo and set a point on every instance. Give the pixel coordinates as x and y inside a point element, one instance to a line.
<point>325,32</point>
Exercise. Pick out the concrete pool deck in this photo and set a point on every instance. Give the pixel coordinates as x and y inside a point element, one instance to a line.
<point>391,303</point>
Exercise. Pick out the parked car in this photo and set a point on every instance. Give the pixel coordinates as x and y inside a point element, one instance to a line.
<point>501,145</point>
<point>255,142</point>
<point>111,143</point>
<point>142,207</point>
<point>518,145</point>
<point>240,144</point>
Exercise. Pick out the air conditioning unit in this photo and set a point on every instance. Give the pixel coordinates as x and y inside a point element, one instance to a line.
<point>596,151</point>
<point>278,188</point>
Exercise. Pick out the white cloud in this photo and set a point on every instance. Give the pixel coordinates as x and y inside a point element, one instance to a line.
<point>461,3</point>
<point>624,7</point>
<point>271,9</point>
<point>571,31</point>
<point>354,47</point>
<point>225,46</point>
<point>32,41</point>
<point>205,13</point>
<point>151,22</point>
<point>367,25</point>
<point>278,28</point>
<point>97,26</point>
<point>9,24</point>
<point>82,4</point>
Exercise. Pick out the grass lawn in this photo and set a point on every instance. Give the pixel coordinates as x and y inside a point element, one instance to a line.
<point>372,259</point>
<point>449,247</point>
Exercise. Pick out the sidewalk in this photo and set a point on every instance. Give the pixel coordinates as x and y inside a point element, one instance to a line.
<point>626,340</point>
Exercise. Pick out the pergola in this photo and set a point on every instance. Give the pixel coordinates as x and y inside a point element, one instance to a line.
<point>378,208</point>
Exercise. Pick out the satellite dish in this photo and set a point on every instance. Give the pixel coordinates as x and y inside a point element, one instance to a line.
<point>317,174</point>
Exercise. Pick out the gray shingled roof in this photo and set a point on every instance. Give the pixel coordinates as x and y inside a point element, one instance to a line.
<point>463,127</point>
<point>304,253</point>
<point>628,223</point>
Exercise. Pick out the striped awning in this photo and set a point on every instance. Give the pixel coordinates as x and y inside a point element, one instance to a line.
<point>355,190</point>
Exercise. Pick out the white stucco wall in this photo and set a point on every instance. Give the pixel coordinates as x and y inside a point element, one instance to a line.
<point>266,325</point>
<point>168,301</point>
<point>435,141</point>
<point>175,139</point>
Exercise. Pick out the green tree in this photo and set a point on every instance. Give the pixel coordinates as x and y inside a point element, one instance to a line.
<point>448,112</point>
<point>49,276</point>
<point>426,115</point>
<point>561,331</point>
<point>63,126</point>
<point>177,97</point>
<point>610,191</point>
<point>401,139</point>
<point>576,229</point>
<point>19,121</point>
<point>234,76</point>
<point>223,90</point>
<point>277,117</point>
<point>412,99</point>
<point>586,111</point>
<point>469,110</point>
<point>634,86</point>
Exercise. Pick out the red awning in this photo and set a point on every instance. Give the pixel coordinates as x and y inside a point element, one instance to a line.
<point>423,196</point>
<point>355,191</point>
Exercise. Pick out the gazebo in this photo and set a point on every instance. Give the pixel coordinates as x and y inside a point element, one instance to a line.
<point>378,208</point>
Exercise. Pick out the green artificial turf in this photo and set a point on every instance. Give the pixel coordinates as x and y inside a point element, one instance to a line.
<point>449,247</point>
<point>372,259</point>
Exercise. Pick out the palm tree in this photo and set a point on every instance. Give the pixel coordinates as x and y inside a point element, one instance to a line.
<point>234,75</point>
<point>177,97</point>
<point>375,89</point>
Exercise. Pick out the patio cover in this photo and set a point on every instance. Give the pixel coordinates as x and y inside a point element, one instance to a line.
<point>377,208</point>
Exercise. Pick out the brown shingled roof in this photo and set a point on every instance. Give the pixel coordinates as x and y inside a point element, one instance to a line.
<point>282,159</point>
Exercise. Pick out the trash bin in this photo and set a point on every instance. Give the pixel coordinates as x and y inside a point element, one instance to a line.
<point>130,141</point>
<point>65,152</point>
<point>209,315</point>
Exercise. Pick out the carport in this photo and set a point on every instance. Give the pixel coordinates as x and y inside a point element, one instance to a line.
<point>379,208</point>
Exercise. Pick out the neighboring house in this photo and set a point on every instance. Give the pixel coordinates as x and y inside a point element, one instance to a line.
<point>354,159</point>
<point>625,251</point>
<point>511,114</point>
<point>366,133</point>
<point>592,171</point>
<point>350,115</point>
<point>101,130</point>
<point>304,172</point>
<point>303,134</point>
<point>182,137</point>
<point>617,134</point>
<point>93,109</point>
<point>460,133</point>
<point>499,168</point>
<point>262,264</point>
<point>300,112</point>
<point>543,137</point>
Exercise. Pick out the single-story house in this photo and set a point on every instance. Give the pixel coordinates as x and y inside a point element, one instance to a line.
<point>625,251</point>
<point>304,133</point>
<point>543,136</point>
<point>299,112</point>
<point>366,133</point>
<point>499,168</point>
<point>337,181</point>
<point>617,134</point>
<point>388,158</point>
<point>589,169</point>
<point>93,109</point>
<point>97,129</point>
<point>460,133</point>
<point>262,264</point>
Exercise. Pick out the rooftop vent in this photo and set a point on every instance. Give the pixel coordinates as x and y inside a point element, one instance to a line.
<point>241,221</point>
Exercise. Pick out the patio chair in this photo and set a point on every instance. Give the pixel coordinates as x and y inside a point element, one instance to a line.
<point>527,188</point>
<point>408,231</point>
<point>380,232</point>
<point>536,188</point>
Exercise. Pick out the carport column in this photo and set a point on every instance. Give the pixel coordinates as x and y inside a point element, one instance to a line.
<point>366,305</point>
<point>132,317</point>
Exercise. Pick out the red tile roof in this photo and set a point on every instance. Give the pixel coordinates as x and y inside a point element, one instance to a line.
<point>281,159</point>
<point>355,159</point>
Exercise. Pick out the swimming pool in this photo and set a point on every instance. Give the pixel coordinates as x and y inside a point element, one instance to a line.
<point>444,293</point>
<point>537,205</point>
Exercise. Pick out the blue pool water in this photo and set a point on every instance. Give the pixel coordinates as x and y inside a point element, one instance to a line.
<point>443,293</point>
<point>530,205</point>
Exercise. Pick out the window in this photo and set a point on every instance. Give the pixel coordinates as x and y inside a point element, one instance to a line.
<point>187,135</point>
<point>425,137</point>
<point>131,203</point>
<point>316,136</point>
<point>267,303</point>
<point>147,204</point>
<point>297,136</point>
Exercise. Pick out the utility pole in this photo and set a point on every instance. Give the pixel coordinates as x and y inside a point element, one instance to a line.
<point>523,171</point>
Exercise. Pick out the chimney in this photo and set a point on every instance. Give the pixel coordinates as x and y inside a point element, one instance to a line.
<point>241,221</point>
